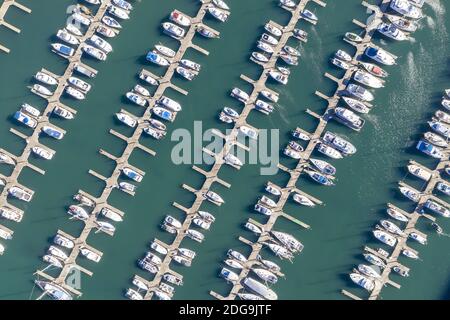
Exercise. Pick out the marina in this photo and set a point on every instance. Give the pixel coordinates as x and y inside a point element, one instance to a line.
<point>4,7</point>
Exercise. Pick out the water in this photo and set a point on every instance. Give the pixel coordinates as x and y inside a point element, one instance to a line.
<point>340,229</point>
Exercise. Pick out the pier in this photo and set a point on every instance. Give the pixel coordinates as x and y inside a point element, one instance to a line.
<point>3,10</point>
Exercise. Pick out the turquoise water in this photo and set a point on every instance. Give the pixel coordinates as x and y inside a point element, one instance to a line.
<point>340,229</point>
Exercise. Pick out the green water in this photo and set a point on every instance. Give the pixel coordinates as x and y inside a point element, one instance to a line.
<point>340,229</point>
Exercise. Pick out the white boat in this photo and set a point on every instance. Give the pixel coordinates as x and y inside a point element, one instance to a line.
<point>323,166</point>
<point>133,295</point>
<point>105,31</point>
<point>260,289</point>
<point>214,197</point>
<point>353,37</point>
<point>253,228</point>
<point>188,253</point>
<point>25,119</point>
<point>161,295</point>
<point>288,3</point>
<point>85,201</point>
<point>300,34</point>
<point>65,36</point>
<point>58,253</point>
<point>440,128</point>
<point>262,209</point>
<point>368,271</point>
<point>419,172</point>
<point>342,55</point>
<point>273,189</point>
<point>105,226</point>
<point>329,151</point>
<point>137,99</point>
<point>442,116</point>
<point>63,50</point>
<point>273,29</point>
<point>260,57</point>
<point>173,279</point>
<point>385,237</point>
<point>249,132</point>
<point>78,212</point>
<point>101,43</point>
<point>391,31</point>
<point>125,5</point>
<point>164,113</point>
<point>118,12</point>
<point>72,28</point>
<point>229,275</point>
<point>392,227</point>
<point>159,248</point>
<point>265,275</point>
<point>430,149</point>
<point>278,76</point>
<point>221,4</point>
<point>80,84</point>
<point>110,214</point>
<point>319,178</point>
<point>289,241</point>
<point>20,194</point>
<point>37,88</point>
<point>185,73</point>
<point>9,214</point>
<point>165,51</point>
<point>157,59</point>
<point>78,17</point>
<point>232,159</point>
<point>148,79</point>
<point>195,235</point>
<point>63,113</point>
<point>52,260</point>
<point>419,238</point>
<point>173,30</point>
<point>111,22</point>
<point>402,23</point>
<point>435,139</point>
<point>339,143</point>
<point>132,174</point>
<point>380,55</point>
<point>437,208</point>
<point>269,39</point>
<point>249,296</point>
<point>359,92</point>
<point>340,64</point>
<point>206,216</point>
<point>94,52</point>
<point>290,60</point>
<point>219,14</point>
<point>443,187</point>
<point>291,153</point>
<point>367,79</point>
<point>267,48</point>
<point>4,158</point>
<point>126,186</point>
<point>207,32</point>
<point>63,241</point>
<point>396,215</point>
<point>77,94</point>
<point>373,259</point>
<point>43,153</point>
<point>54,291</point>
<point>292,51</point>
<point>126,119</point>
<point>2,249</point>
<point>349,118</point>
<point>446,103</point>
<point>373,69</point>
<point>405,8</point>
<point>309,15</point>
<point>303,200</point>
<point>362,281</point>
<point>410,254</point>
<point>180,18</point>
<point>268,202</point>
<point>299,134</point>
<point>7,235</point>
<point>240,95</point>
<point>45,78</point>
<point>191,64</point>
<point>410,193</point>
<point>201,223</point>
<point>356,105</point>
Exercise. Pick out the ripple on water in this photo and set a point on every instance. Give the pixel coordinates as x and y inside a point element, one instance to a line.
<point>438,25</point>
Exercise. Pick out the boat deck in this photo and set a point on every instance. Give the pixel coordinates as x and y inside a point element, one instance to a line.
<point>3,10</point>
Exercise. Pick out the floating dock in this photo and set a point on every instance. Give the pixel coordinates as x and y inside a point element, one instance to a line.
<point>3,10</point>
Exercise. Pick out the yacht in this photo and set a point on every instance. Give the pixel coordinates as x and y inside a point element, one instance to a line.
<point>185,73</point>
<point>187,253</point>
<point>249,132</point>
<point>362,281</point>
<point>373,69</point>
<point>78,17</point>
<point>229,275</point>
<point>265,275</point>
<point>437,208</point>
<point>141,90</point>
<point>349,118</point>
<point>173,30</point>
<point>105,226</point>
<point>38,89</point>
<point>278,76</point>
<point>191,64</point>
<point>4,158</point>
<point>164,113</point>
<point>94,52</point>
<point>78,212</point>
<point>232,160</point>
<point>268,202</point>
<point>339,143</point>
<point>392,227</point>
<point>125,5</point>
<point>152,258</point>
<point>54,291</point>
<point>373,259</point>
<point>63,241</point>
<point>62,49</point>
<point>112,215</point>
<point>231,112</point>
<point>65,36</point>
<point>260,289</point>
<point>236,255</point>
<point>290,60</point>
<point>262,209</point>
<point>292,153</point>
<point>74,93</point>
<point>118,12</point>
<point>147,266</point>
<point>391,31</point>
<point>410,193</point>
<point>329,151</point>
<point>88,72</point>
<point>25,119</point>
<point>85,201</point>
<point>20,194</point>
<point>368,271</point>
<point>319,178</point>
<point>43,153</point>
<point>157,134</point>
<point>359,92</point>
<point>221,4</point>
<point>393,213</point>
<point>323,166</point>
<point>234,264</point>
<point>148,79</point>
<point>264,47</point>
<point>430,150</point>
<point>249,296</point>
<point>442,116</point>
<point>410,254</point>
<point>165,51</point>
<point>309,15</point>
<point>253,228</point>
<point>126,119</point>
<point>206,32</point>
<point>111,22</point>
<point>269,95</point>
<point>356,105</point>
<point>60,254</point>
<point>80,84</point>
<point>201,223</point>
<point>45,78</point>
<point>180,19</point>
<point>101,44</point>
<point>295,146</point>
<point>260,57</point>
<point>240,95</point>
<point>272,189</point>
<point>419,172</point>
<point>300,34</point>
<point>435,139</point>
<point>288,3</point>
<point>405,8</point>
<point>380,55</point>
<point>105,31</point>
<point>288,241</point>
<point>73,29</point>
<point>292,51</point>
<point>402,23</point>
<point>344,56</point>
<point>214,197</point>
<point>173,222</point>
<point>273,29</point>
<point>340,64</point>
<point>385,237</point>
<point>173,279</point>
<point>264,106</point>
<point>195,235</point>
<point>7,235</point>
<point>419,238</point>
<point>52,261</point>
<point>169,103</point>
<point>157,59</point>
<point>132,174</point>
<point>440,128</point>
<point>206,216</point>
<point>367,79</point>
<point>133,294</point>
<point>269,39</point>
<point>303,200</point>
<point>159,248</point>
<point>353,37</point>
<point>125,186</point>
<point>135,98</point>
<point>157,124</point>
<point>63,113</point>
<point>219,14</point>
<point>299,134</point>
<point>9,214</point>
<point>443,187</point>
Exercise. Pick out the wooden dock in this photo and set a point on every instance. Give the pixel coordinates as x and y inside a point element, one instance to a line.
<point>3,10</point>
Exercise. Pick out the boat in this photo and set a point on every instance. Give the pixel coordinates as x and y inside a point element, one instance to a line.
<point>201,223</point>
<point>319,178</point>
<point>402,23</point>
<point>288,241</point>
<point>141,90</point>
<point>309,15</point>
<point>133,294</point>
<point>100,43</point>
<point>249,132</point>
<point>356,105</point>
<point>380,55</point>
<point>373,259</point>
<point>300,34</point>
<point>263,106</point>
<point>229,275</point>
<point>268,202</point>
<point>295,146</point>
<point>259,289</point>
<point>232,160</point>
<point>260,57</point>
<point>74,93</point>
<point>180,18</point>
<point>270,265</point>
<point>270,95</point>
<point>60,254</point>
<point>342,55</point>
<point>7,235</point>
<point>6,159</point>
<point>419,172</point>
<point>219,14</point>
<point>137,99</point>
<point>185,73</point>
<point>2,249</point>
<point>195,235</point>
<point>32,111</point>
<point>10,214</point>
<point>349,118</point>
<point>391,31</point>
<point>437,208</point>
<point>173,30</point>
<point>262,209</point>
<point>323,166</point>
<point>165,51</point>
<point>443,187</point>
<point>362,281</point>
<point>410,254</point>
<point>105,226</point>
<point>25,119</point>
<point>65,36</point>
<point>38,89</point>
<point>269,39</point>
<point>63,113</point>
<point>157,124</point>
<point>118,12</point>
<point>147,266</point>
<point>80,84</point>
<point>159,248</point>
<point>292,153</point>
<point>52,260</point>
<point>157,59</point>
<point>164,113</point>
<point>173,222</point>
<point>446,103</point>
<point>232,254</point>
<point>240,95</point>
<point>111,22</point>
<point>417,3</point>
<point>126,186</point>
<point>45,78</point>
<point>62,49</point>
<point>290,60</point>
<point>253,228</point>
<point>393,213</point>
<point>148,78</point>
<point>430,150</point>
<point>273,29</point>
<point>303,200</point>
<point>231,112</point>
<point>43,153</point>
<point>78,17</point>
<point>112,215</point>
<point>405,8</point>
<point>206,32</point>
<point>78,212</point>
<point>63,241</point>
<point>249,296</point>
<point>84,200</point>
<point>191,65</point>
<point>20,194</point>
<point>374,69</point>
<point>410,193</point>
<point>161,295</point>
<point>353,37</point>
<point>264,47</point>
<point>400,271</point>
<point>125,5</point>
<point>368,271</point>
<point>106,31</point>
<point>278,76</point>
<point>340,64</point>
<point>435,139</point>
<point>126,119</point>
<point>206,216</point>
<point>385,237</point>
<point>392,227</point>
<point>88,72</point>
<point>171,278</point>
<point>339,143</point>
<point>359,92</point>
<point>437,228</point>
<point>53,132</point>
<point>273,189</point>
<point>447,93</point>
<point>132,174</point>
<point>214,197</point>
<point>94,52</point>
<point>419,238</point>
<point>73,28</point>
<point>442,116</point>
<point>329,151</point>
<point>440,128</point>
<point>221,4</point>
<point>288,3</point>
<point>367,79</point>
<point>54,291</point>
<point>292,51</point>
<point>265,275</point>
<point>299,134</point>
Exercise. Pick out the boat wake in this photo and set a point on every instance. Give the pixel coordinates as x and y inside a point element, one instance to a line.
<point>438,25</point>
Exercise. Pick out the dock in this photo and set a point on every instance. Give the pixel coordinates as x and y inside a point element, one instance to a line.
<point>5,6</point>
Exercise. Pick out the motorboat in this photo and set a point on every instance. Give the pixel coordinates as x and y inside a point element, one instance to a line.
<point>356,105</point>
<point>373,69</point>
<point>53,132</point>
<point>362,281</point>
<point>446,103</point>
<point>73,29</point>
<point>94,52</point>
<point>78,212</point>
<point>309,15</point>
<point>442,116</point>
<point>300,34</point>
<point>249,132</point>
<point>184,261</point>
<point>53,290</point>
<point>295,146</point>
<point>58,253</point>
<point>367,79</point>
<point>141,90</point>
<point>264,106</point>
<point>418,237</point>
<point>157,59</point>
<point>240,95</point>
<point>385,237</point>
<point>340,64</point>
<point>65,36</point>
<point>272,189</point>
<point>6,159</point>
<point>45,78</point>
<point>259,289</point>
<point>101,43</point>
<point>349,118</point>
<point>279,250</point>
<point>231,159</point>
<point>291,153</point>
<point>402,23</point>
<point>430,149</point>
<point>148,79</point>
<point>173,30</point>
<point>319,178</point>
<point>63,241</point>
<point>164,113</point>
<point>165,51</point>
<point>410,193</point>
<point>125,5</point>
<point>260,57</point>
<point>38,89</point>
<point>231,112</point>
<point>111,214</point>
<point>185,73</point>
<point>188,253</point>
<point>292,51</point>
<point>221,4</point>
<point>265,275</point>
<point>359,92</point>
<point>400,271</point>
<point>288,3</point>
<point>105,226</point>
<point>342,55</point>
<point>232,254</point>
<point>118,12</point>
<point>21,194</point>
<point>368,271</point>
<point>62,49</point>
<point>52,261</point>
<point>80,84</point>
<point>191,64</point>
<point>267,48</point>
<point>74,93</point>
<point>88,72</point>
<point>229,275</point>
<point>206,32</point>
<point>393,213</point>
<point>126,119</point>
<point>405,8</point>
<point>262,209</point>
<point>10,214</point>
<point>373,259</point>
<point>339,143</point>
<point>299,134</point>
<point>253,228</point>
<point>278,76</point>
<point>80,18</point>
<point>410,254</point>
<point>270,265</point>
<point>440,128</point>
<point>391,31</point>
<point>303,200</point>
<point>133,295</point>
<point>148,266</point>
<point>392,227</point>
<point>169,103</point>
<point>435,139</point>
<point>4,234</point>
<point>173,222</point>
<point>195,235</point>
<point>137,99</point>
<point>269,39</point>
<point>25,119</point>
<point>419,172</point>
<point>201,223</point>
<point>214,197</point>
<point>329,151</point>
<point>437,208</point>
<point>288,241</point>
<point>105,31</point>
<point>43,153</point>
<point>380,55</point>
<point>219,14</point>
<point>85,201</point>
<point>180,18</point>
<point>206,216</point>
<point>173,279</point>
<point>353,37</point>
<point>126,186</point>
<point>63,113</point>
<point>270,95</point>
<point>249,296</point>
<point>273,29</point>
<point>290,60</point>
<point>159,248</point>
<point>444,187</point>
<point>323,166</point>
<point>268,202</point>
